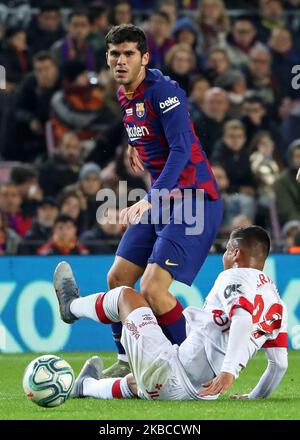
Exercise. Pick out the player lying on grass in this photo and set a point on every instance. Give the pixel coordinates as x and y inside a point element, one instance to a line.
<point>242,313</point>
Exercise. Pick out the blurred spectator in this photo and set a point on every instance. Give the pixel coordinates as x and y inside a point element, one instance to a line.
<point>74,46</point>
<point>255,118</point>
<point>290,128</point>
<point>169,7</point>
<point>209,127</point>
<point>10,205</point>
<point>25,177</point>
<point>41,228</point>
<point>70,203</point>
<point>213,23</point>
<point>63,167</point>
<point>217,63</point>
<point>259,74</point>
<point>14,56</point>
<point>80,107</point>
<point>88,185</point>
<point>199,85</point>
<point>284,57</point>
<point>295,248</point>
<point>158,38</point>
<point>106,233</point>
<point>180,64</point>
<point>9,239</point>
<point>121,13</point>
<point>240,41</point>
<point>263,163</point>
<point>45,28</point>
<point>233,204</point>
<point>185,32</point>
<point>231,152</point>
<point>287,189</point>
<point>289,232</point>
<point>234,83</point>
<point>24,131</point>
<point>64,240</point>
<point>99,28</point>
<point>271,16</point>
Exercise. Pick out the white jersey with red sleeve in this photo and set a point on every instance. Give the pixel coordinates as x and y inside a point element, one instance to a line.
<point>252,290</point>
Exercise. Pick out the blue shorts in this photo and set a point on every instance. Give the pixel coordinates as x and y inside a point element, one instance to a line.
<point>170,245</point>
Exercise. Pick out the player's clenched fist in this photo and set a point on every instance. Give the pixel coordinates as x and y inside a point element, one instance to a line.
<point>133,214</point>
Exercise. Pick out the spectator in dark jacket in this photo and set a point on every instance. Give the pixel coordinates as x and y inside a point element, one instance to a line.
<point>209,127</point>
<point>42,227</point>
<point>14,56</point>
<point>232,154</point>
<point>106,233</point>
<point>287,189</point>
<point>45,28</point>
<point>25,126</point>
<point>75,46</point>
<point>64,240</point>
<point>63,167</point>
<point>158,37</point>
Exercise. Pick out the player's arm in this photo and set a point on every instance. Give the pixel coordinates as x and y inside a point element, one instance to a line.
<point>238,341</point>
<point>170,104</point>
<point>272,376</point>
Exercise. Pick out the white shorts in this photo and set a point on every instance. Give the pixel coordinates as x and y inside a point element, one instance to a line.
<point>153,359</point>
<point>150,356</point>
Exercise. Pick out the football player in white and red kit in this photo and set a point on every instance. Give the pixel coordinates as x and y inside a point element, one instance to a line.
<point>242,313</point>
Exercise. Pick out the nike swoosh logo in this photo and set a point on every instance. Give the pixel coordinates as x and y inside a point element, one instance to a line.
<point>168,263</point>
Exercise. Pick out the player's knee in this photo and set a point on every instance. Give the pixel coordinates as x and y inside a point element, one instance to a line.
<point>149,290</point>
<point>114,279</point>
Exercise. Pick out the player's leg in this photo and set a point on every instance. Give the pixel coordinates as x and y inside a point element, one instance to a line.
<point>131,259</point>
<point>122,273</point>
<point>179,255</point>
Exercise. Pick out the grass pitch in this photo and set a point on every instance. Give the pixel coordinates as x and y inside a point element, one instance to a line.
<point>284,403</point>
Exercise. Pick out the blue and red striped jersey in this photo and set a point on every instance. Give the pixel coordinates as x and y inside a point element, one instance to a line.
<point>159,126</point>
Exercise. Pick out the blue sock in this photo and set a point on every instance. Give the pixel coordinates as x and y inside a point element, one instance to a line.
<point>173,324</point>
<point>117,333</point>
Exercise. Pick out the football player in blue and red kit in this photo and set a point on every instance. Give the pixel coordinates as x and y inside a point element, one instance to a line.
<point>161,139</point>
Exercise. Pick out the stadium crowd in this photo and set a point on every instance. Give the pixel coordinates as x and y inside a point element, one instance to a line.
<point>61,132</point>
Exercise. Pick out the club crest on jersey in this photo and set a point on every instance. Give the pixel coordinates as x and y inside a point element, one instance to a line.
<point>140,109</point>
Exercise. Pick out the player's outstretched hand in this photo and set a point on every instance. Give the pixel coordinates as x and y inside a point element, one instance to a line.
<point>134,214</point>
<point>298,176</point>
<point>134,159</point>
<point>239,396</point>
<point>218,385</point>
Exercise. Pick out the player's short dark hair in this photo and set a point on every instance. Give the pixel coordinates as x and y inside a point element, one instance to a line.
<point>252,235</point>
<point>43,55</point>
<point>127,33</point>
<point>64,218</point>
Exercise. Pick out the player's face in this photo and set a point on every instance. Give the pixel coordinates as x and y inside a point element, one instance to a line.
<point>231,254</point>
<point>126,62</point>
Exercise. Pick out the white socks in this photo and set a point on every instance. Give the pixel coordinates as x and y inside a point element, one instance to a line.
<point>94,308</point>
<point>85,307</point>
<point>114,388</point>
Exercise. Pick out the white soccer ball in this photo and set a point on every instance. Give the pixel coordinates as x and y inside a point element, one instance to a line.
<point>48,380</point>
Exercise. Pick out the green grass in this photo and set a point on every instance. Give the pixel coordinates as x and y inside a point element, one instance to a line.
<point>284,403</point>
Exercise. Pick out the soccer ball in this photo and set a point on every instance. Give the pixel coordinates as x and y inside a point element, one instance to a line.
<point>48,380</point>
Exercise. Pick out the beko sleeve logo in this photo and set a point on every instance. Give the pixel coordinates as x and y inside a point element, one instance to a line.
<point>169,104</point>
